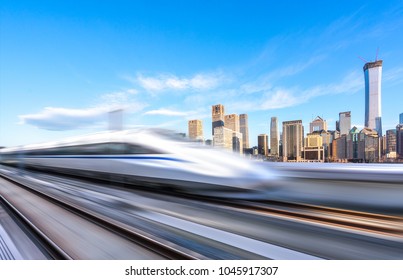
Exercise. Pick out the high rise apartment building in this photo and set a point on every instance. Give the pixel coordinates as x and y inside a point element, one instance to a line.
<point>195,129</point>
<point>244,129</point>
<point>293,140</point>
<point>274,138</point>
<point>317,124</point>
<point>373,77</point>
<point>344,122</point>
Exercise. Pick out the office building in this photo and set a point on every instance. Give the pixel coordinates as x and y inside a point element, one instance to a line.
<point>369,145</point>
<point>217,113</point>
<point>401,118</point>
<point>399,141</point>
<point>228,129</point>
<point>344,126</point>
<point>262,144</point>
<point>334,134</point>
<point>390,143</point>
<point>352,140</point>
<point>195,130</point>
<point>274,138</point>
<point>244,129</point>
<point>313,148</point>
<point>373,77</point>
<point>237,142</point>
<point>326,141</point>
<point>339,149</point>
<point>317,124</point>
<point>223,137</point>
<point>280,145</point>
<point>232,122</point>
<point>293,140</point>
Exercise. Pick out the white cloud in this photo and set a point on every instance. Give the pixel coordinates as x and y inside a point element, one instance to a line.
<point>394,75</point>
<point>351,83</point>
<point>172,82</point>
<point>266,97</point>
<point>279,98</point>
<point>121,100</point>
<point>167,112</point>
<point>52,118</point>
<point>58,118</point>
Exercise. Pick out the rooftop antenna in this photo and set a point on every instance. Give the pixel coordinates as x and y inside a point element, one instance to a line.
<point>377,51</point>
<point>363,59</point>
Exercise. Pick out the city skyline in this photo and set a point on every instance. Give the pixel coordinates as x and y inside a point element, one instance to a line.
<point>65,65</point>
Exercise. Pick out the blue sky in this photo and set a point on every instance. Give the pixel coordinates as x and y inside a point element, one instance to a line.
<point>65,65</point>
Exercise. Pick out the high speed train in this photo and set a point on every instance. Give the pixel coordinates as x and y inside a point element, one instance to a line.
<point>152,158</point>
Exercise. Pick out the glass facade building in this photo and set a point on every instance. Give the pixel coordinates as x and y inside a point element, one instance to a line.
<point>373,77</point>
<point>344,122</point>
<point>274,138</point>
<point>293,140</point>
<point>243,126</point>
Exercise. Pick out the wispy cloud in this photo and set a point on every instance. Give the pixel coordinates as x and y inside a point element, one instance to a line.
<point>164,82</point>
<point>126,100</point>
<point>53,118</point>
<point>267,97</point>
<point>58,118</point>
<point>279,98</point>
<point>394,75</point>
<point>350,84</point>
<point>167,112</point>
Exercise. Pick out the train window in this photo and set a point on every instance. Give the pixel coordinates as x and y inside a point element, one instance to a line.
<point>137,149</point>
<point>113,148</point>
<point>117,148</point>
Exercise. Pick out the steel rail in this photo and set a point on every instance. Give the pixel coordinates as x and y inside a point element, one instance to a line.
<point>134,235</point>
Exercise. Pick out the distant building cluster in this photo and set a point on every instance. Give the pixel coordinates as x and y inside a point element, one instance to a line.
<point>344,144</point>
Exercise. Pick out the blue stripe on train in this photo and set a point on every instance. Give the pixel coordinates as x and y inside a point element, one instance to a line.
<point>112,157</point>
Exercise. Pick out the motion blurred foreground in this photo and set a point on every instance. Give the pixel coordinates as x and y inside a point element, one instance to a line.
<point>149,195</point>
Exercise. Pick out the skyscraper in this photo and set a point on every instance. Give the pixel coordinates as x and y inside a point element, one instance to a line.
<point>352,147</point>
<point>232,122</point>
<point>293,139</point>
<point>344,122</point>
<point>274,143</point>
<point>317,124</point>
<point>217,113</point>
<point>399,140</point>
<point>195,128</point>
<point>227,138</point>
<point>262,144</point>
<point>401,118</point>
<point>243,126</point>
<point>373,77</point>
<point>391,142</point>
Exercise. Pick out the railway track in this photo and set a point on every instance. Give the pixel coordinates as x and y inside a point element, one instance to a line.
<point>135,236</point>
<point>390,225</point>
<point>46,245</point>
<point>369,222</point>
<point>383,229</point>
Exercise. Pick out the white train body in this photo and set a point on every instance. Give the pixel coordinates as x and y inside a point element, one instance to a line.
<point>146,156</point>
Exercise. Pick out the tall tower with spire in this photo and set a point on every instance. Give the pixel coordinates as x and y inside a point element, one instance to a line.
<point>373,78</point>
